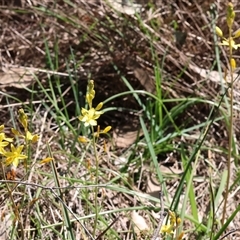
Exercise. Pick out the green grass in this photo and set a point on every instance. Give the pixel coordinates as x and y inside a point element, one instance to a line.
<point>89,186</point>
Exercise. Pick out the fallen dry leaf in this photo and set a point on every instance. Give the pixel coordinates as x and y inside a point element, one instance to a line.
<point>15,77</point>
<point>139,223</point>
<point>124,139</point>
<point>127,8</point>
<point>5,225</point>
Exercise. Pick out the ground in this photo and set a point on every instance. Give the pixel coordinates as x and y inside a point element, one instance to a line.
<point>49,52</point>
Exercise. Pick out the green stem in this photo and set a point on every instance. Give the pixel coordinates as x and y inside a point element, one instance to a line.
<point>15,207</point>
<point>230,132</point>
<point>96,181</point>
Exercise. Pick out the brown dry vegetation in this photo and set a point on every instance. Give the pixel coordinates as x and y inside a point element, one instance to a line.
<point>108,46</point>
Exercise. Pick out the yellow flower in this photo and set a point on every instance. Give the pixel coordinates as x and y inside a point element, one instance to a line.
<point>3,143</point>
<point>90,116</point>
<point>32,138</point>
<point>229,42</point>
<point>167,229</point>
<point>29,136</point>
<point>14,156</point>
<point>172,217</point>
<point>174,222</point>
<point>104,131</point>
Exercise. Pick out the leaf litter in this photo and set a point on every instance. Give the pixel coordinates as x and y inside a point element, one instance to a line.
<point>108,60</point>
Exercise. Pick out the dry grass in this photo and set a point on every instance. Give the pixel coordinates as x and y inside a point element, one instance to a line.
<point>106,46</point>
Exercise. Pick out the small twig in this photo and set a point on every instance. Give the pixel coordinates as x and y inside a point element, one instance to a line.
<point>50,188</point>
<point>230,20</point>
<point>156,233</point>
<point>74,215</point>
<point>102,233</point>
<point>228,233</point>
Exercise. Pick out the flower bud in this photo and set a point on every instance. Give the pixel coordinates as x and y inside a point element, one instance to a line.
<point>236,34</point>
<point>99,106</point>
<point>233,63</point>
<point>219,31</point>
<point>106,129</point>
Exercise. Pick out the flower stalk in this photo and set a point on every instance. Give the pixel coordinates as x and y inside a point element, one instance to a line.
<point>89,117</point>
<point>230,43</point>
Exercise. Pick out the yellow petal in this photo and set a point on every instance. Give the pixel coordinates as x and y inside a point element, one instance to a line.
<point>3,137</point>
<point>8,161</point>
<point>166,229</point>
<point>15,162</point>
<point>83,139</point>
<point>80,118</point>
<point>86,124</point>
<point>46,160</point>
<point>84,111</point>
<point>92,122</point>
<point>225,43</point>
<point>35,138</point>
<point>236,46</point>
<point>97,114</point>
<point>91,113</point>
<point>8,139</point>
<point>29,136</point>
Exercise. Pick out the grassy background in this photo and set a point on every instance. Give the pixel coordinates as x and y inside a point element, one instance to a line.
<point>158,73</point>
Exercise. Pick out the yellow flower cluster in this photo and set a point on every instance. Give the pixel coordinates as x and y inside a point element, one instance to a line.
<point>89,117</point>
<point>230,41</point>
<point>23,119</point>
<point>173,225</point>
<point>13,155</point>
